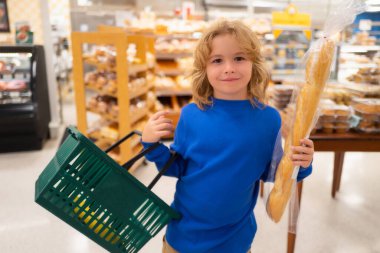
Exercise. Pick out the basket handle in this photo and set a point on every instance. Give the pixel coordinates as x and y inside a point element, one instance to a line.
<point>142,153</point>
<point>128,164</point>
<point>122,140</point>
<point>167,165</point>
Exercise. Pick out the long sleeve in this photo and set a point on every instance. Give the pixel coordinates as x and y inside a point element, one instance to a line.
<point>304,172</point>
<point>161,154</point>
<point>278,152</point>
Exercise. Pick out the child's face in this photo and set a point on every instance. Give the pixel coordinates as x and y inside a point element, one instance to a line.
<point>228,69</point>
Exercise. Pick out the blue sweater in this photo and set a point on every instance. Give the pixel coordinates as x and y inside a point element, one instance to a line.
<point>224,152</point>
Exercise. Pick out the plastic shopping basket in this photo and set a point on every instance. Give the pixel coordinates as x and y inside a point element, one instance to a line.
<point>88,190</point>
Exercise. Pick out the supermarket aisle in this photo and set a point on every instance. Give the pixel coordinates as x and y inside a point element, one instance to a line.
<point>347,224</point>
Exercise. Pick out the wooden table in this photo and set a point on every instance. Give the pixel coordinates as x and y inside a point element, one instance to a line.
<point>339,144</point>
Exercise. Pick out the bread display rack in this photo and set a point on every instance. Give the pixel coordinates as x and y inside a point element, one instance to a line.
<point>111,83</point>
<point>358,64</point>
<point>173,56</point>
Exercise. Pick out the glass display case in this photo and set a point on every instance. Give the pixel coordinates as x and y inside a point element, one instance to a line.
<point>15,78</point>
<point>24,103</point>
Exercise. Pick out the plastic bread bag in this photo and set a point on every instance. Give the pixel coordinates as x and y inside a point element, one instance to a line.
<point>281,182</point>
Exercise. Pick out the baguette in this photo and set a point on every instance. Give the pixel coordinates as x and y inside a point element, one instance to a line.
<point>317,72</point>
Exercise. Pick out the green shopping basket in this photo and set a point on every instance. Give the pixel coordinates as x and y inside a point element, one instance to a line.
<point>84,187</point>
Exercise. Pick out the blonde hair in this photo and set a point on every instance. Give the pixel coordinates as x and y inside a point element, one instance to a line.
<point>250,44</point>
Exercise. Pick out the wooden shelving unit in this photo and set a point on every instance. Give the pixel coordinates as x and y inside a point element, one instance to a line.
<point>129,117</point>
<point>173,97</point>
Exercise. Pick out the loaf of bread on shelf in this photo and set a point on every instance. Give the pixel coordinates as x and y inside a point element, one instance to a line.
<point>100,82</point>
<point>110,132</point>
<point>368,107</point>
<point>102,106</point>
<point>317,72</point>
<point>93,103</point>
<point>114,111</point>
<point>111,86</point>
<point>90,77</point>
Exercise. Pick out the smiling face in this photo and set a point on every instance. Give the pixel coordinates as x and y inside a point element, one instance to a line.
<point>228,68</point>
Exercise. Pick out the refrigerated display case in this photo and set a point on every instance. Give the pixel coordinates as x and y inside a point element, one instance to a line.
<point>24,102</point>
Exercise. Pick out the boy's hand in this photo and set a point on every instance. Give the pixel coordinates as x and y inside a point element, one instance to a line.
<point>303,155</point>
<point>158,126</point>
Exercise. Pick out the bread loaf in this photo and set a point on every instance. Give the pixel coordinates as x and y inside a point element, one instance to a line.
<point>317,72</point>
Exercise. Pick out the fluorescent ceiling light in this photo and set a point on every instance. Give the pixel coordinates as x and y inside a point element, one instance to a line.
<point>245,3</point>
<point>268,4</point>
<point>84,2</point>
<point>373,9</point>
<point>373,2</point>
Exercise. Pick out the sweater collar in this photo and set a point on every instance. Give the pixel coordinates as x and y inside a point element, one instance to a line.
<point>230,103</point>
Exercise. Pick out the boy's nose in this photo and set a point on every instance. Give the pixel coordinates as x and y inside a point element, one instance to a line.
<point>229,71</point>
<point>229,68</point>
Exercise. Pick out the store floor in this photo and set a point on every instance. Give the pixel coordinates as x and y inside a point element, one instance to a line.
<point>348,224</point>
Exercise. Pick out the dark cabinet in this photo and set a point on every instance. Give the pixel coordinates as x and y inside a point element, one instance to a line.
<point>24,101</point>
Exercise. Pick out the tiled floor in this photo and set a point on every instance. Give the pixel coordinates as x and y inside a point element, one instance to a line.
<point>348,224</point>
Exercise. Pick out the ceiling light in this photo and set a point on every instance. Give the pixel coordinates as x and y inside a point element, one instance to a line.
<point>84,2</point>
<point>373,9</point>
<point>373,2</point>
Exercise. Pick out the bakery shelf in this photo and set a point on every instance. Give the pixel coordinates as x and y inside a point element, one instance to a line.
<point>172,56</point>
<point>352,59</point>
<point>287,60</point>
<point>122,70</point>
<point>284,46</point>
<point>363,89</point>
<point>287,71</point>
<point>103,143</point>
<point>135,142</point>
<point>134,69</point>
<point>135,115</point>
<point>138,114</point>
<point>358,48</point>
<point>92,87</point>
<point>134,92</point>
<point>290,45</point>
<point>138,91</point>
<point>355,65</point>
<point>169,72</point>
<point>97,135</point>
<point>98,65</point>
<point>112,118</point>
<point>151,106</point>
<point>173,92</point>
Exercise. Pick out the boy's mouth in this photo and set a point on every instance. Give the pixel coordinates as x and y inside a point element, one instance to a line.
<point>229,79</point>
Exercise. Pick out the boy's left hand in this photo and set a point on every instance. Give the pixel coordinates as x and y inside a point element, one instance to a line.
<point>303,155</point>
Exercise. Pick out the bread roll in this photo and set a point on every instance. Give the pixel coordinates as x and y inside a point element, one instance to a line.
<point>317,72</point>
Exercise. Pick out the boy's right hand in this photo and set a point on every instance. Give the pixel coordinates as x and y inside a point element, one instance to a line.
<point>158,126</point>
